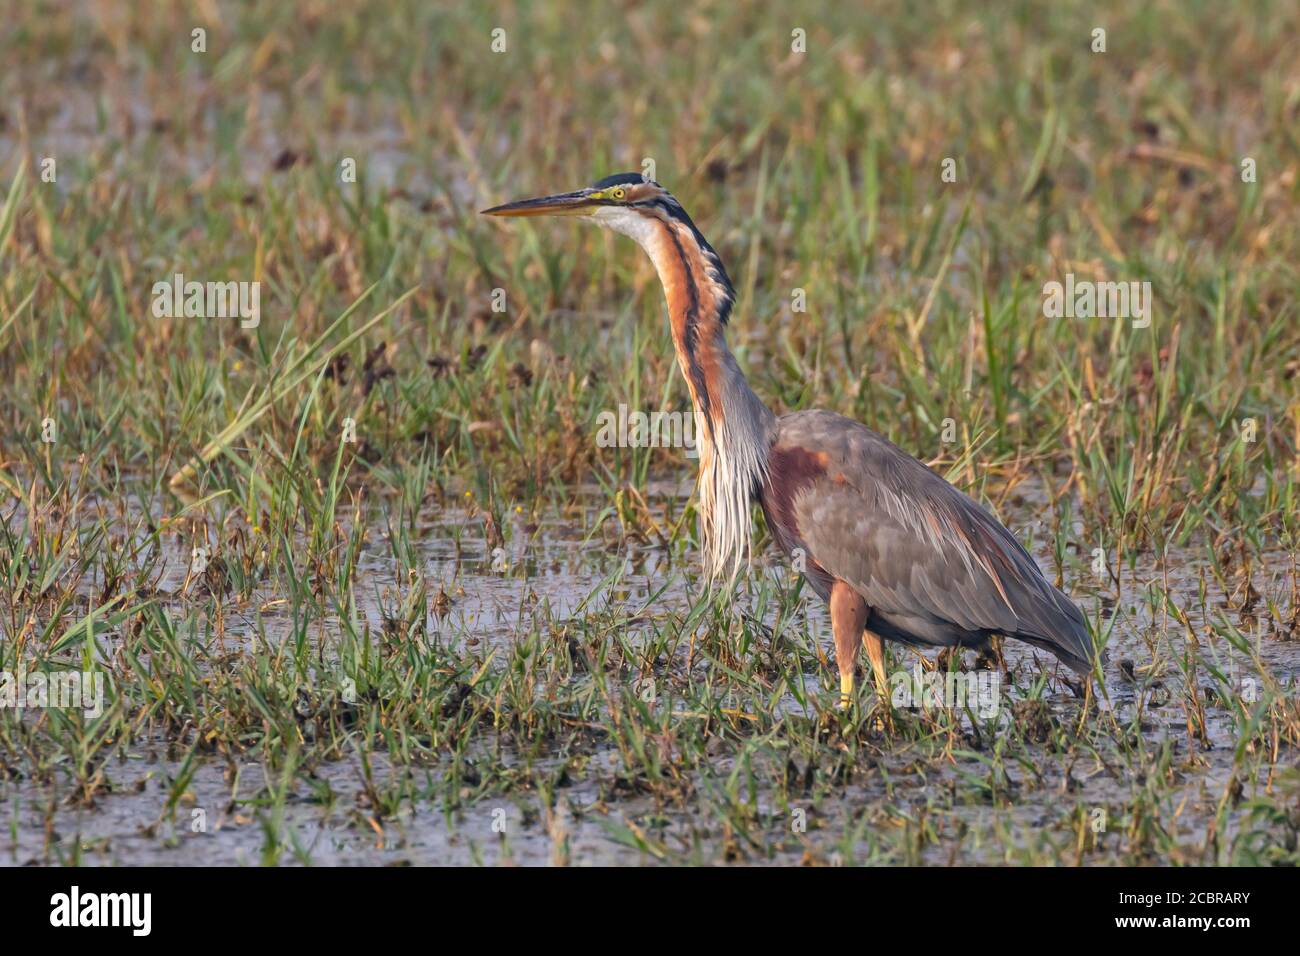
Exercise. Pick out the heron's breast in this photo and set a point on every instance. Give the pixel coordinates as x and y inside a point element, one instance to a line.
<point>792,471</point>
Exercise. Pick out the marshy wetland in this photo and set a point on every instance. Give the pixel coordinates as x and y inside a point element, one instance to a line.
<point>359,582</point>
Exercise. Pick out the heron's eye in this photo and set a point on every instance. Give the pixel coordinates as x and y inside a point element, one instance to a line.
<point>618,192</point>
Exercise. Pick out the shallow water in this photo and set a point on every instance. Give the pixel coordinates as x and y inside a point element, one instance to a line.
<point>566,566</point>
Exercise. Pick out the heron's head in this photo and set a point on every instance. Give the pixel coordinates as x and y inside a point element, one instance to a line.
<point>625,202</point>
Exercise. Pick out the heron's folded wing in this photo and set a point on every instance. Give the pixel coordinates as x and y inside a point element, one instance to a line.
<point>912,544</point>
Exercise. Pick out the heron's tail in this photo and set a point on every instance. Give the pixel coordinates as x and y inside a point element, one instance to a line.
<point>1064,632</point>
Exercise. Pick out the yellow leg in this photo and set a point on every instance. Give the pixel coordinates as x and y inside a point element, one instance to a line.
<point>846,690</point>
<point>876,654</point>
<point>848,615</point>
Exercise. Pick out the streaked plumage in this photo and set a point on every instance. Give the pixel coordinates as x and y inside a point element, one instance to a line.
<point>897,552</point>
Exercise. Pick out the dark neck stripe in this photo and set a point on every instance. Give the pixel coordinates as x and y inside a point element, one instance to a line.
<point>717,272</point>
<point>691,332</point>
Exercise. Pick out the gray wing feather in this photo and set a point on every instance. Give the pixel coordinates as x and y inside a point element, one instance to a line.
<point>918,549</point>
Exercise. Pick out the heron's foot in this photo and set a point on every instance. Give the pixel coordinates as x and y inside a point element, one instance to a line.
<point>875,648</point>
<point>846,691</point>
<point>882,686</point>
<point>880,716</point>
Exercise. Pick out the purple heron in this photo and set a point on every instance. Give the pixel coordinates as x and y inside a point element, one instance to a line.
<point>896,552</point>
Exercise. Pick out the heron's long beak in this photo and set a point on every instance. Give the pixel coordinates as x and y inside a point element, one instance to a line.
<point>563,204</point>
